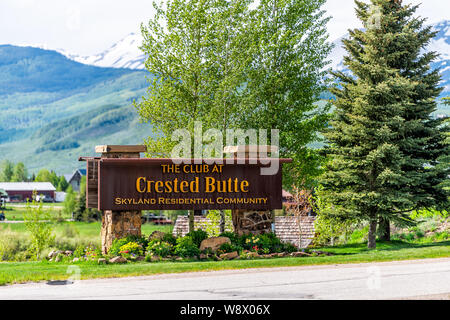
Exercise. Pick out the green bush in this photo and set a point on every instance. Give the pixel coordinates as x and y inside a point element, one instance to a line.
<point>131,249</point>
<point>263,243</point>
<point>117,243</point>
<point>13,245</point>
<point>198,236</point>
<point>234,238</point>
<point>79,251</point>
<point>225,248</point>
<point>159,248</point>
<point>169,238</point>
<point>186,247</point>
<point>92,252</point>
<point>289,247</point>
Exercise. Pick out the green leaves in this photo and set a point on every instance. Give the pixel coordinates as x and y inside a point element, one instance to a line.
<point>230,66</point>
<point>37,222</point>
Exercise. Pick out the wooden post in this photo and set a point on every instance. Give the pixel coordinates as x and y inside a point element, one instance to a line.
<point>119,224</point>
<point>251,221</point>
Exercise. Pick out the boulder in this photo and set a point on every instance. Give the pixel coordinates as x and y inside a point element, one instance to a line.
<point>229,255</point>
<point>101,261</point>
<point>118,259</point>
<point>52,254</point>
<point>300,254</point>
<point>203,256</point>
<point>253,254</point>
<point>155,258</point>
<point>76,259</point>
<point>214,243</point>
<point>156,235</point>
<point>68,252</point>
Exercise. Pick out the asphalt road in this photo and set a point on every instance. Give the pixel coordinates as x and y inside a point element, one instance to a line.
<point>415,279</point>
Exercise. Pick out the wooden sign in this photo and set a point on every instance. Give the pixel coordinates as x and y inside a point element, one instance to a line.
<point>159,184</point>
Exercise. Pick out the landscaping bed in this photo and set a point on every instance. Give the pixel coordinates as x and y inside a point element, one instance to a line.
<point>196,245</point>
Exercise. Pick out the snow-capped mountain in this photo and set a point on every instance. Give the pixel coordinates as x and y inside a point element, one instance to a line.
<point>123,54</point>
<point>440,43</point>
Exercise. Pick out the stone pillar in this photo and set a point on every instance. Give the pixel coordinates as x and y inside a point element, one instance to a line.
<point>251,221</point>
<point>119,224</point>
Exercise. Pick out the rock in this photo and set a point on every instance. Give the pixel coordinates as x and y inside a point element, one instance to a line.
<point>203,256</point>
<point>253,254</point>
<point>179,259</point>
<point>140,258</point>
<point>214,243</point>
<point>229,255</point>
<point>322,253</point>
<point>76,259</point>
<point>68,252</point>
<point>52,254</point>
<point>58,258</point>
<point>156,235</point>
<point>280,254</point>
<point>300,254</point>
<point>155,258</point>
<point>118,259</point>
<point>101,261</point>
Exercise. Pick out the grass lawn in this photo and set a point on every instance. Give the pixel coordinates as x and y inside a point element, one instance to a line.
<point>19,272</point>
<point>84,229</point>
<point>14,212</point>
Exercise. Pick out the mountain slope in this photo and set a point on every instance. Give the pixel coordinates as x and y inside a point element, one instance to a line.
<point>123,54</point>
<point>55,109</point>
<point>27,69</point>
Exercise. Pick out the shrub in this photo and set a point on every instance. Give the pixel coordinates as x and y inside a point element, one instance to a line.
<point>169,238</point>
<point>13,245</point>
<point>92,252</point>
<point>159,248</point>
<point>198,236</point>
<point>234,238</point>
<point>79,251</point>
<point>117,243</point>
<point>225,248</point>
<point>41,232</point>
<point>289,247</point>
<point>131,249</point>
<point>419,234</point>
<point>186,247</point>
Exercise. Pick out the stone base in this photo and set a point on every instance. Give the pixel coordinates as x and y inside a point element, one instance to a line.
<point>119,224</point>
<point>254,222</point>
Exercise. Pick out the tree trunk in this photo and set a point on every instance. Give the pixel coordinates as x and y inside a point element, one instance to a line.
<point>371,243</point>
<point>384,229</point>
<point>191,220</point>
<point>222,222</point>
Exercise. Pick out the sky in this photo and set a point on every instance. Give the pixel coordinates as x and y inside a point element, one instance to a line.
<point>89,27</point>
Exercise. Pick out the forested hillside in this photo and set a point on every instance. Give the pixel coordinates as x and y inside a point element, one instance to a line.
<point>53,109</point>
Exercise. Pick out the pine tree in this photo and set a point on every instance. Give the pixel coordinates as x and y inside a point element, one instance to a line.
<point>384,144</point>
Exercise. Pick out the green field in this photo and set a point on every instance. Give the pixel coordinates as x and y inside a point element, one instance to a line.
<point>15,212</point>
<point>20,272</point>
<point>82,229</point>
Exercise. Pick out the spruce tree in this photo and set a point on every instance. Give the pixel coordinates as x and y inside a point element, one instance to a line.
<point>384,144</point>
